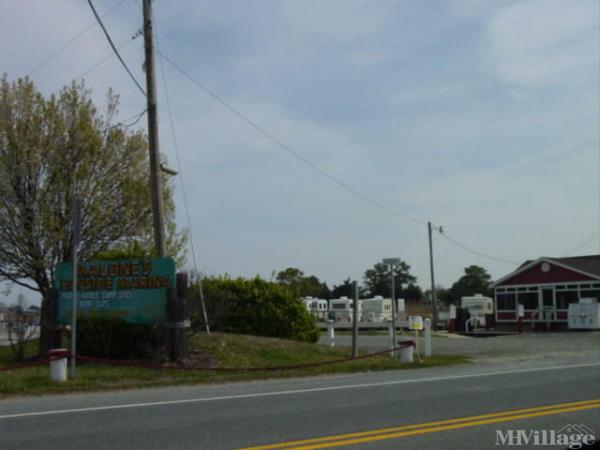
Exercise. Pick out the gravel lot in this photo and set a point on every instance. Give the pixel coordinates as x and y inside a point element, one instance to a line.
<point>526,346</point>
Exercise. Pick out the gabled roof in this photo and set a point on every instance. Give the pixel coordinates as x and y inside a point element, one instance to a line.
<point>586,265</point>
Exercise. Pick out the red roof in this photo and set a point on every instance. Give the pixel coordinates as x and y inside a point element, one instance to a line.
<point>554,270</point>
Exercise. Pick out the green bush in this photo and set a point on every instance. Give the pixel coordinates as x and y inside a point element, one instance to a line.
<point>257,307</point>
<point>110,337</point>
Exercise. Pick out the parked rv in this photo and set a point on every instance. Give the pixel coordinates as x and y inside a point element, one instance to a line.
<point>318,307</point>
<point>481,310</point>
<point>341,309</point>
<point>376,309</point>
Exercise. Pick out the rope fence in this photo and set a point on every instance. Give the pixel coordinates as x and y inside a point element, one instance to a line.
<point>180,366</point>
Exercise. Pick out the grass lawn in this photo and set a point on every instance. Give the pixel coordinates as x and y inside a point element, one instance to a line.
<point>217,350</point>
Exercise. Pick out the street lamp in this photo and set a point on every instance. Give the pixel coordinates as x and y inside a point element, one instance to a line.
<point>392,263</point>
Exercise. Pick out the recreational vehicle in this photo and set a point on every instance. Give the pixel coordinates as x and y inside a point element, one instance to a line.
<point>318,307</point>
<point>376,309</point>
<point>341,309</point>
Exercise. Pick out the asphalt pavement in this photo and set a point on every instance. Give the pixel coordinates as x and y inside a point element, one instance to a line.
<point>386,409</point>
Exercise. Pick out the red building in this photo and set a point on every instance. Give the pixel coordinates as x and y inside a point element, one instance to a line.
<point>545,287</point>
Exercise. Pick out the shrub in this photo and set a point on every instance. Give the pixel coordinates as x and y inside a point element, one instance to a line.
<point>257,307</point>
<point>110,337</point>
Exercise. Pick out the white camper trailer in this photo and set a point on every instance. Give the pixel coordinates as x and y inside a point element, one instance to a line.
<point>376,309</point>
<point>316,306</point>
<point>341,309</point>
<point>479,307</point>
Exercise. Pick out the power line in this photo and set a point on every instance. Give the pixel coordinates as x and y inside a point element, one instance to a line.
<point>180,169</point>
<point>73,39</point>
<point>475,252</point>
<point>136,118</point>
<point>321,171</point>
<point>106,58</point>
<point>110,41</point>
<point>586,242</point>
<point>288,149</point>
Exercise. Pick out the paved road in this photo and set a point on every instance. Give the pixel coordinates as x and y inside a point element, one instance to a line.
<point>259,413</point>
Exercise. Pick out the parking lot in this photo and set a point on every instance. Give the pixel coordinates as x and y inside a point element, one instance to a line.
<point>526,346</point>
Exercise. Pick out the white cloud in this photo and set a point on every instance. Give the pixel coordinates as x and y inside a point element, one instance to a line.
<point>537,42</point>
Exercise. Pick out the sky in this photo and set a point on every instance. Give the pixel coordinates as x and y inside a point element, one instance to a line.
<point>481,117</point>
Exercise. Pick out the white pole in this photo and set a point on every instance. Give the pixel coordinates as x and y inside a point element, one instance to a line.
<point>331,332</point>
<point>427,343</point>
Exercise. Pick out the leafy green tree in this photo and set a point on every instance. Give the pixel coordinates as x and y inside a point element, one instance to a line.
<point>476,280</point>
<point>442,294</point>
<point>301,285</point>
<point>411,292</point>
<point>61,147</point>
<point>345,289</point>
<point>290,276</point>
<point>378,279</point>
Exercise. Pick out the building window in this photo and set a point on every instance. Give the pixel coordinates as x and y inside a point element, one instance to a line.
<point>590,294</point>
<point>505,302</point>
<point>563,299</point>
<point>529,300</point>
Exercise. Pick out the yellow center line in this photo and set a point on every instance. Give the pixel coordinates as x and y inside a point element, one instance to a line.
<point>429,427</point>
<point>443,428</point>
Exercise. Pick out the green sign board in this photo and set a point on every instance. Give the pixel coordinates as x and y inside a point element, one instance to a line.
<point>134,290</point>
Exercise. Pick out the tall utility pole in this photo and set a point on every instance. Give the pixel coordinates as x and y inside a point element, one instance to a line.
<point>393,262</point>
<point>155,181</point>
<point>433,293</point>
<point>355,319</point>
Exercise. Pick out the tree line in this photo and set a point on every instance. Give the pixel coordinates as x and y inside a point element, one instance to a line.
<point>377,281</point>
